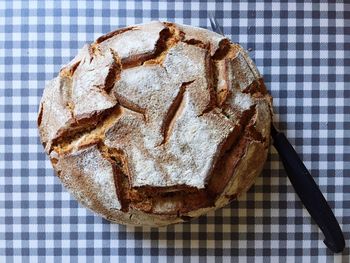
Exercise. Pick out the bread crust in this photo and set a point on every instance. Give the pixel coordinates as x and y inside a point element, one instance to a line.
<point>156,124</point>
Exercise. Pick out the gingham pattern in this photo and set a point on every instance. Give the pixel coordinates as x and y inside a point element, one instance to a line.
<point>302,49</point>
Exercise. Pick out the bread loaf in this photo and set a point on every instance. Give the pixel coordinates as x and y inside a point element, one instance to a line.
<point>157,123</point>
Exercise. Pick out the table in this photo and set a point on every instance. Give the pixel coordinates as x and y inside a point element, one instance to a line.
<point>303,51</point>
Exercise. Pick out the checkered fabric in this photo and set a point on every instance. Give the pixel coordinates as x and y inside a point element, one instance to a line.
<point>303,51</point>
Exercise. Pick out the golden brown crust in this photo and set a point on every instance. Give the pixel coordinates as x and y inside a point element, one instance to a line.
<point>157,123</point>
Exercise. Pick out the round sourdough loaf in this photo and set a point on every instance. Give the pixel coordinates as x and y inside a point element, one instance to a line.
<point>157,123</point>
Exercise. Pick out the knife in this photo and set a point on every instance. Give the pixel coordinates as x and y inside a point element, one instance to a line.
<point>302,181</point>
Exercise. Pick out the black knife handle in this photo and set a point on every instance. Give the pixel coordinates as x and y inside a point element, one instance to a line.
<point>309,193</point>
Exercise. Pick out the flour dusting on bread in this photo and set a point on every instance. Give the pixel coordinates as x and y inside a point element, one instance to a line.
<point>157,123</point>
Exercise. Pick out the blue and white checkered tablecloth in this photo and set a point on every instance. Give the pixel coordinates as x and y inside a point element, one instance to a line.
<point>303,51</point>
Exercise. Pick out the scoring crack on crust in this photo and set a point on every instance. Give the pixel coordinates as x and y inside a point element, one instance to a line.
<point>251,132</point>
<point>114,33</point>
<point>93,51</point>
<point>174,37</point>
<point>69,70</point>
<point>40,115</point>
<point>120,171</point>
<point>197,43</point>
<point>212,84</point>
<point>233,144</point>
<point>257,88</point>
<point>168,37</point>
<point>67,84</point>
<point>184,199</point>
<point>114,69</point>
<point>53,160</point>
<point>238,150</point>
<point>89,134</point>
<point>224,49</point>
<point>255,135</point>
<point>127,104</point>
<point>174,112</point>
<point>114,72</point>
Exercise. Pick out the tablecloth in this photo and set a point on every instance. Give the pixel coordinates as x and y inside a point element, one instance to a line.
<point>303,51</point>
